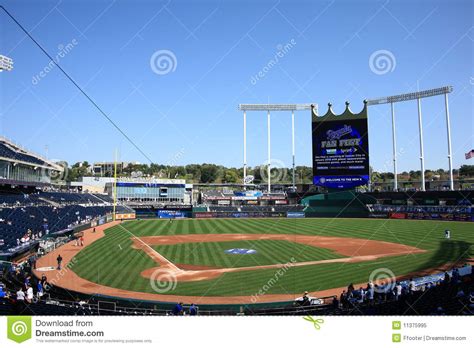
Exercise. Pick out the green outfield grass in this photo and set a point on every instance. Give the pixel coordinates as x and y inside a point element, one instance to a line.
<point>111,261</point>
<point>268,252</point>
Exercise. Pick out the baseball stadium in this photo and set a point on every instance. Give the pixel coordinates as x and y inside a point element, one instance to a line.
<point>336,237</point>
<point>132,245</point>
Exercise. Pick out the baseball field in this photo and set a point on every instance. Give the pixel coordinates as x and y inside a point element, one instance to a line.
<point>240,257</point>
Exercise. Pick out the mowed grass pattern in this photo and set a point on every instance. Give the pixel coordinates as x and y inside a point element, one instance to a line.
<point>268,252</point>
<point>111,261</point>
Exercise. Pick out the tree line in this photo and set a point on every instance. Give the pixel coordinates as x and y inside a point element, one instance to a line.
<point>213,173</point>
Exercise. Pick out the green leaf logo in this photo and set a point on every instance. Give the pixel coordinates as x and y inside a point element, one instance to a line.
<point>19,328</point>
<point>316,322</point>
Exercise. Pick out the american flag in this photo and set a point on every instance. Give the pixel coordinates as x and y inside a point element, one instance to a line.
<point>469,154</point>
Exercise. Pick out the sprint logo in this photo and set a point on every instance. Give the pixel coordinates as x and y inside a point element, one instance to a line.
<point>19,328</point>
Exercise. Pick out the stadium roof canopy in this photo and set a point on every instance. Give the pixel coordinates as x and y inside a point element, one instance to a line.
<point>13,153</point>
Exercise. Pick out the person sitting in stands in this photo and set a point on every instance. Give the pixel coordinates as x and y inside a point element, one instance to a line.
<point>29,294</point>
<point>362,295</point>
<point>193,309</point>
<point>44,279</point>
<point>398,291</point>
<point>456,278</point>
<point>40,290</point>
<point>370,292</point>
<point>412,286</point>
<point>335,302</point>
<point>447,278</point>
<point>305,301</point>
<point>350,288</point>
<point>178,309</point>
<point>343,299</point>
<point>20,295</point>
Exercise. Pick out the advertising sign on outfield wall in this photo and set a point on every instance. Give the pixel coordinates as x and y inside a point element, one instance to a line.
<point>128,216</point>
<point>170,214</point>
<point>204,215</point>
<point>295,214</point>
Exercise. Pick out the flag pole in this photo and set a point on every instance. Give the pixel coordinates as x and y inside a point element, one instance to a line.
<point>115,185</point>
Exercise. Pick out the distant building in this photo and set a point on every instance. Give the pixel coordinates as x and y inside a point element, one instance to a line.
<point>140,191</point>
<point>107,168</point>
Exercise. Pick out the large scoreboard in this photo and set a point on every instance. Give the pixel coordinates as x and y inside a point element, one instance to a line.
<point>340,149</point>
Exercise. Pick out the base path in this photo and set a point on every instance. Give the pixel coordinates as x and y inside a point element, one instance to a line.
<point>355,250</point>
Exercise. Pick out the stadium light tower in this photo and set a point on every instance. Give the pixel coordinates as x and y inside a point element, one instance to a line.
<point>418,96</point>
<point>268,108</point>
<point>5,63</point>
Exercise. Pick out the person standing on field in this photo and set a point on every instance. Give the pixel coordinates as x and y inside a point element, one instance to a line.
<point>60,261</point>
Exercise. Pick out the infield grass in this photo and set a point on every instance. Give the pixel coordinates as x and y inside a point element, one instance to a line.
<point>268,252</point>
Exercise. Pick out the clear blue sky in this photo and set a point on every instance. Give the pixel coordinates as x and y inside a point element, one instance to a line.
<point>190,115</point>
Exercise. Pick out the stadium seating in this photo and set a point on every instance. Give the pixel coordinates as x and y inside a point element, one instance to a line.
<point>44,213</point>
<point>75,198</point>
<point>8,151</point>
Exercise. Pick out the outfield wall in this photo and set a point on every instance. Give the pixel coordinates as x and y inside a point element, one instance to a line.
<point>256,214</point>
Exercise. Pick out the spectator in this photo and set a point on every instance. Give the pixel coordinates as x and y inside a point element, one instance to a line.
<point>43,280</point>
<point>20,295</point>
<point>455,277</point>
<point>40,290</point>
<point>335,302</point>
<point>33,262</point>
<point>193,309</point>
<point>305,301</point>
<point>178,309</point>
<point>411,287</point>
<point>343,299</point>
<point>447,278</point>
<point>362,295</point>
<point>371,292</point>
<point>350,289</point>
<point>398,291</point>
<point>29,294</point>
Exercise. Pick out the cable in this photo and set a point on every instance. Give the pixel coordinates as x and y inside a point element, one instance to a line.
<point>77,86</point>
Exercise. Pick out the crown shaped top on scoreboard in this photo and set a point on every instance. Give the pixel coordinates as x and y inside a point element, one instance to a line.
<point>345,115</point>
